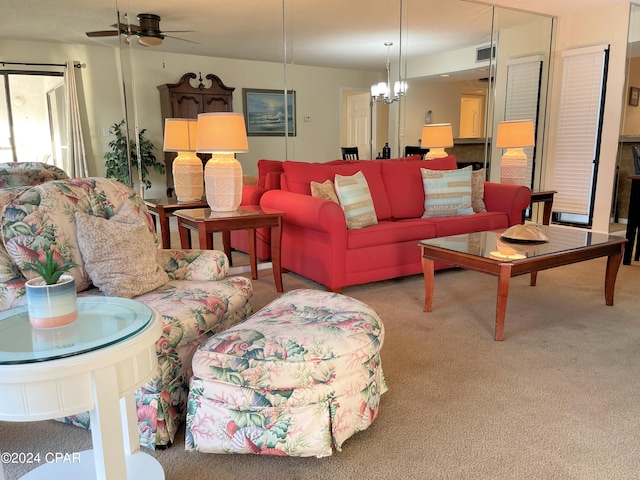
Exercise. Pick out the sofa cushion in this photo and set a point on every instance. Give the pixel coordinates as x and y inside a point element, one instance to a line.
<point>355,199</point>
<point>324,190</point>
<point>265,167</point>
<point>447,193</point>
<point>477,191</point>
<point>388,232</point>
<point>119,254</point>
<point>403,183</point>
<point>299,176</point>
<point>445,226</point>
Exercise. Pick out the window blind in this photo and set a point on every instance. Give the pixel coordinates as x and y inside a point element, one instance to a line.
<point>578,128</point>
<point>522,99</point>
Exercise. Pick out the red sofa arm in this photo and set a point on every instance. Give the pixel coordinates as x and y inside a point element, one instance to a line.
<point>307,212</point>
<point>251,194</point>
<point>510,199</point>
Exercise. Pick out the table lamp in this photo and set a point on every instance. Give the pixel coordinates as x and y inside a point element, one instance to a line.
<point>180,136</point>
<point>436,137</point>
<point>222,134</point>
<point>514,136</point>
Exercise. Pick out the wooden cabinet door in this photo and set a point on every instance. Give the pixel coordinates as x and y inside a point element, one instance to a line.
<point>186,105</point>
<point>183,100</point>
<point>215,103</point>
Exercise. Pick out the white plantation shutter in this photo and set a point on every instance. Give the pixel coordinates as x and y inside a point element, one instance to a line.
<point>577,133</point>
<point>523,93</point>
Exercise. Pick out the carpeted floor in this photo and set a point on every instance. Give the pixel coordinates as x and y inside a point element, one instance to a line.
<point>557,399</point>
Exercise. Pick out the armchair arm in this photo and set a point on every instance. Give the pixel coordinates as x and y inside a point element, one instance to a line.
<point>510,199</point>
<point>196,265</point>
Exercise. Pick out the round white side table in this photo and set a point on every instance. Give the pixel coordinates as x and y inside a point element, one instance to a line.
<point>95,364</point>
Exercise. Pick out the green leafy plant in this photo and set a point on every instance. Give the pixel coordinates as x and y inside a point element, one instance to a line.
<point>116,159</point>
<point>51,267</point>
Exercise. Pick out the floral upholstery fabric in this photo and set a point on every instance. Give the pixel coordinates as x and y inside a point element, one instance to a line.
<point>298,378</point>
<point>198,300</point>
<point>15,174</point>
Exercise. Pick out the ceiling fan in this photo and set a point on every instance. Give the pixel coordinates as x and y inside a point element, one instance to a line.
<point>148,32</point>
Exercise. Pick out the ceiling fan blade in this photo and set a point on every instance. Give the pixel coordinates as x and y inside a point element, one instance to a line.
<point>182,39</point>
<point>103,33</point>
<point>178,31</point>
<point>126,27</point>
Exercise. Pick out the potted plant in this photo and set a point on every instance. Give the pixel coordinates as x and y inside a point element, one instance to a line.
<point>51,297</point>
<point>116,159</point>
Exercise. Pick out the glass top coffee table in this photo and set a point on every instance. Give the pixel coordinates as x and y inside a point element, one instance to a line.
<point>488,252</point>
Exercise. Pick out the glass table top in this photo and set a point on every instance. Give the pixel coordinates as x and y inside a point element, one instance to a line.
<point>201,214</point>
<point>102,321</point>
<point>491,245</point>
<point>173,202</point>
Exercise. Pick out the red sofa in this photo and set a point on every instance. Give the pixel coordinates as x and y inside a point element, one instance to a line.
<point>317,244</point>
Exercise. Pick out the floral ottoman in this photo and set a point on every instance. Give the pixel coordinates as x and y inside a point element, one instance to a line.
<point>297,378</point>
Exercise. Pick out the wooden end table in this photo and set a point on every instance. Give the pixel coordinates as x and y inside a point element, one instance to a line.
<point>545,197</point>
<point>486,252</point>
<point>94,364</point>
<point>163,208</point>
<point>247,217</point>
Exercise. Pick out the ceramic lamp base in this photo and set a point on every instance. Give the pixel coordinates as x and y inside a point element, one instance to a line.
<point>513,167</point>
<point>223,182</point>
<point>187,177</point>
<point>435,153</point>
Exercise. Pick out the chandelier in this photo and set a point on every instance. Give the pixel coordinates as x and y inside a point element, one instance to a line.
<point>380,92</point>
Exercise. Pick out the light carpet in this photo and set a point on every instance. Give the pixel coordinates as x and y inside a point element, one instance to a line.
<point>557,399</point>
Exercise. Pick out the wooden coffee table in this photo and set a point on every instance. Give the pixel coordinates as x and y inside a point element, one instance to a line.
<point>247,217</point>
<point>486,252</point>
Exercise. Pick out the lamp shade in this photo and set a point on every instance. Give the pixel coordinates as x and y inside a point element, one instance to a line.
<point>436,137</point>
<point>221,132</point>
<point>516,134</point>
<point>439,135</point>
<point>180,136</point>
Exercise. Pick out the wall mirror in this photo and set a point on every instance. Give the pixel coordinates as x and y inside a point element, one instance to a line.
<point>324,85</point>
<point>450,78</point>
<point>630,125</point>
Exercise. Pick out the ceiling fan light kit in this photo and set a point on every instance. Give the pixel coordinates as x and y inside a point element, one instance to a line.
<point>149,33</point>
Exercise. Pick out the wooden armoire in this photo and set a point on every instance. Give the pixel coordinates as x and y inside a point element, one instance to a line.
<point>183,100</point>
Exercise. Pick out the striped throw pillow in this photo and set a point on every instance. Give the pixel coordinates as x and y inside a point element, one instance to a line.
<point>447,193</point>
<point>355,199</point>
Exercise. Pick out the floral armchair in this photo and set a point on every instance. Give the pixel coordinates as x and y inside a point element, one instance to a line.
<point>196,300</point>
<point>15,174</point>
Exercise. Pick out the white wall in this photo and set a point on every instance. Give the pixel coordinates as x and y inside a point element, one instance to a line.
<point>594,27</point>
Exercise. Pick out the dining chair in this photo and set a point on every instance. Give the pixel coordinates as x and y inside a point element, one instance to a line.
<point>350,153</point>
<point>636,159</point>
<point>410,150</point>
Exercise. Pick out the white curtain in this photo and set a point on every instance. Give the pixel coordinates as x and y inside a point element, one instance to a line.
<point>76,161</point>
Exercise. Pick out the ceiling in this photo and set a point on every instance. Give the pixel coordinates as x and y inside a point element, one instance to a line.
<point>252,29</point>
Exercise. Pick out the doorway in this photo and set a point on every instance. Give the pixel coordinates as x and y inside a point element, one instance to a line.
<point>359,126</point>
<point>472,113</point>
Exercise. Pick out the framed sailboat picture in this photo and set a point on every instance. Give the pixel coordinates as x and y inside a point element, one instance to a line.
<point>269,112</point>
